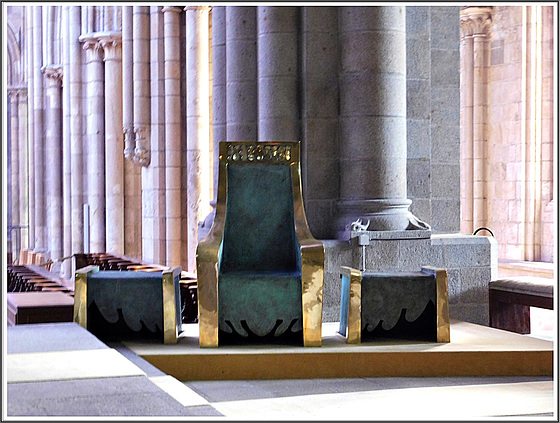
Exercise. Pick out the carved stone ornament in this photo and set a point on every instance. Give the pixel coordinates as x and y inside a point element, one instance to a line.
<point>111,42</point>
<point>17,91</point>
<point>91,43</point>
<point>53,72</point>
<point>359,226</point>
<point>141,152</point>
<point>128,143</point>
<point>476,21</point>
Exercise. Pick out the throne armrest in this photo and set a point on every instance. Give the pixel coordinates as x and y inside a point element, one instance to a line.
<point>208,257</point>
<point>312,271</point>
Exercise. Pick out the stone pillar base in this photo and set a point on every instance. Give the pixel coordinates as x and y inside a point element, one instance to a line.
<point>384,216</point>
<point>471,262</point>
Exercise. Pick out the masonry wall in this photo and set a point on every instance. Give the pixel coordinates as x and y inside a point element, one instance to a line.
<point>510,111</point>
<point>433,142</point>
<point>517,172</point>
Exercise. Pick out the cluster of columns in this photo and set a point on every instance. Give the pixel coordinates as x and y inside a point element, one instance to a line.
<point>488,64</point>
<point>18,156</point>
<point>61,134</point>
<point>475,26</point>
<point>91,107</point>
<point>533,133</point>
<point>256,90</point>
<point>258,98</point>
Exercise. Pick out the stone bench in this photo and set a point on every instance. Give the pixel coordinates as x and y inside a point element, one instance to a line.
<point>510,300</point>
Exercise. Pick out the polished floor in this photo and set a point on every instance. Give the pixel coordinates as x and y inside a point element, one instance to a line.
<point>61,370</point>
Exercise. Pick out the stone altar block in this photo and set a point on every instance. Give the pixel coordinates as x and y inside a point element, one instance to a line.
<point>471,262</point>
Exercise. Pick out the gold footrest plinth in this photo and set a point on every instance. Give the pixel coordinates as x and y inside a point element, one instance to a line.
<point>474,350</point>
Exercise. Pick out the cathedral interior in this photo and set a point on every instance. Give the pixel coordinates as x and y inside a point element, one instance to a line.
<point>426,139</point>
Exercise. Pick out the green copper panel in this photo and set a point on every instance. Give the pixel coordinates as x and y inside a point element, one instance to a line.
<point>259,229</point>
<point>260,299</point>
<point>402,302</point>
<point>137,295</point>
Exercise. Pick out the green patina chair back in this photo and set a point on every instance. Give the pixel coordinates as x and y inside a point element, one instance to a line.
<point>260,272</point>
<point>259,230</point>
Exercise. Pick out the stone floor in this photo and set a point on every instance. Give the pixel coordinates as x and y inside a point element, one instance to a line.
<point>63,370</point>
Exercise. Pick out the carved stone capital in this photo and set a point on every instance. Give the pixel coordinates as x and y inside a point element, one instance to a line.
<point>53,72</point>
<point>22,92</point>
<point>172,9</point>
<point>92,47</point>
<point>111,42</point>
<point>203,8</point>
<point>476,21</point>
<point>13,94</point>
<point>16,91</point>
<point>90,42</point>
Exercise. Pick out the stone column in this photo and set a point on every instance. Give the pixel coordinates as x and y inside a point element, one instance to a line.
<point>480,141</point>
<point>38,131</point>
<point>23,169</point>
<point>95,132</point>
<point>467,179</point>
<point>9,242</point>
<point>153,176</point>
<point>127,72</point>
<point>373,120</point>
<point>219,105</point>
<point>219,90</point>
<point>532,137</point>
<point>141,83</point>
<point>241,75</point>
<point>133,180</point>
<point>53,163</point>
<point>198,131</point>
<point>31,124</point>
<point>74,84</point>
<point>172,135</point>
<point>14,164</point>
<point>66,147</point>
<point>278,108</point>
<point>114,156</point>
<point>475,24</point>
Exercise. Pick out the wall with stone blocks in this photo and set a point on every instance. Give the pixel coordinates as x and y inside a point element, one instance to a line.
<point>510,147</point>
<point>433,107</point>
<point>470,261</point>
<point>515,124</point>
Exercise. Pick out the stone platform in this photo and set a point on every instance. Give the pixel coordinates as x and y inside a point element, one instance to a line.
<point>474,350</point>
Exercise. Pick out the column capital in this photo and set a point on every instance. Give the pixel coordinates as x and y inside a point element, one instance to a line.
<point>176,9</point>
<point>91,43</point>
<point>12,94</point>
<point>202,8</point>
<point>53,72</point>
<point>476,21</point>
<point>17,91</point>
<point>111,42</point>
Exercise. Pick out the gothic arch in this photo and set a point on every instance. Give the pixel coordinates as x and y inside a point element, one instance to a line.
<point>15,75</point>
